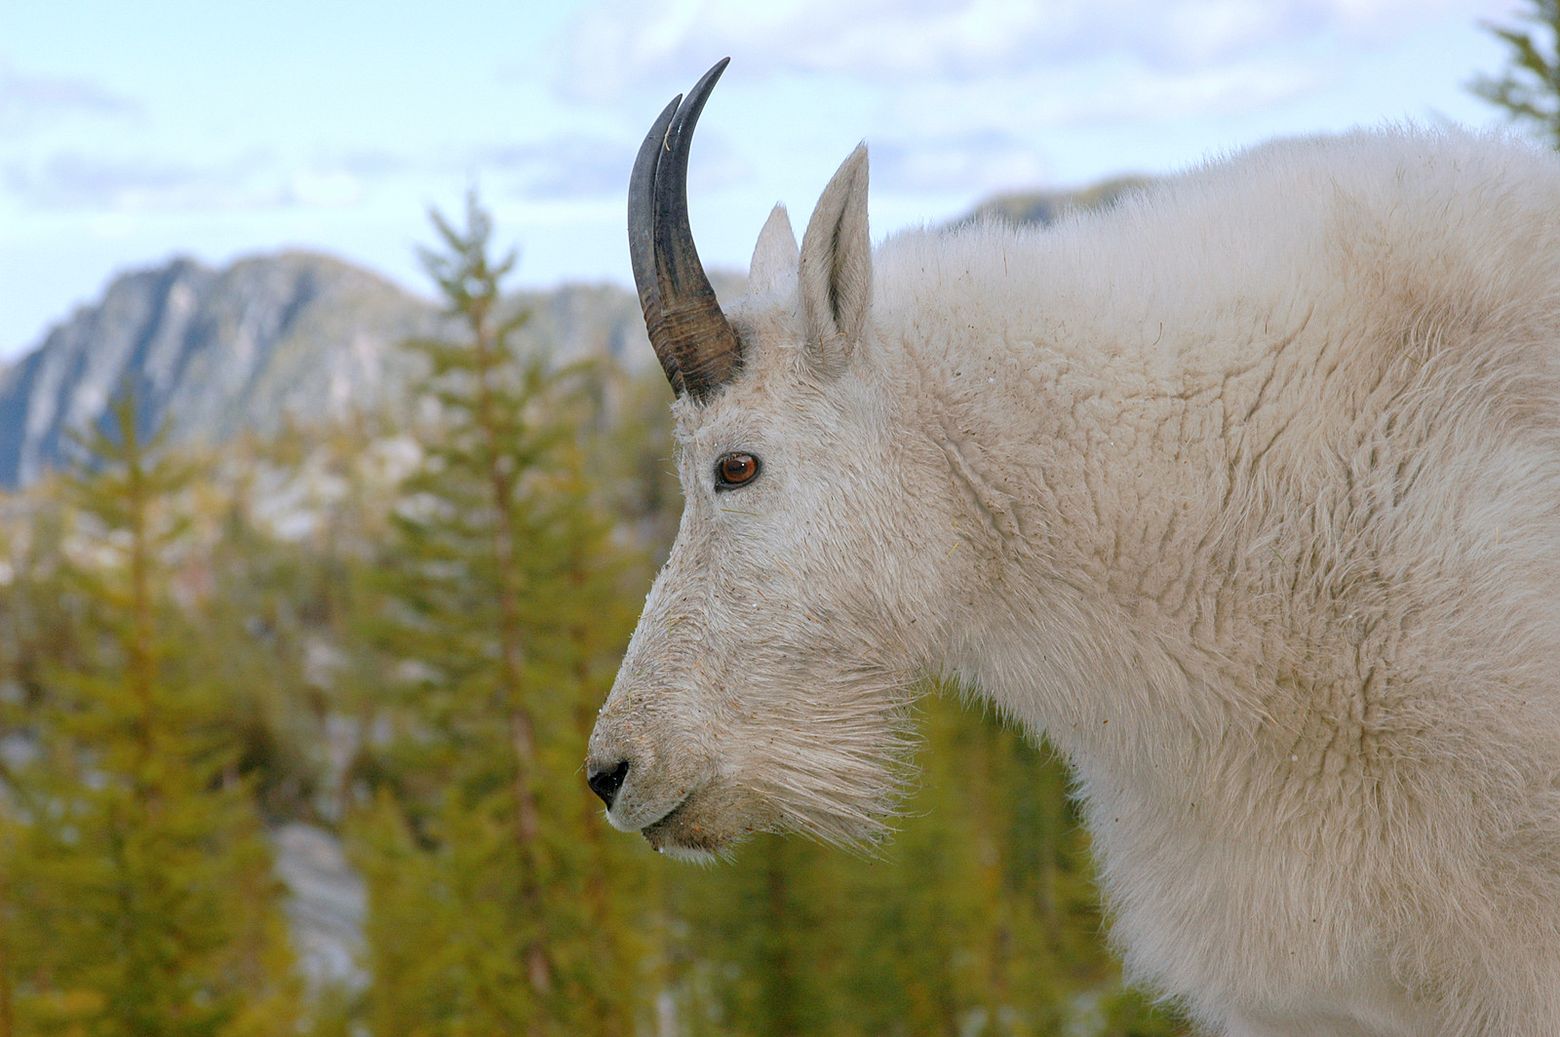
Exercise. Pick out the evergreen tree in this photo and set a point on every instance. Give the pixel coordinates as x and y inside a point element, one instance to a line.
<point>140,890</point>
<point>258,636</point>
<point>503,611</point>
<point>1529,88</point>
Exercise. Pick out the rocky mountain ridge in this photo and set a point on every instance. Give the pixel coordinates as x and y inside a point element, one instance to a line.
<point>216,352</point>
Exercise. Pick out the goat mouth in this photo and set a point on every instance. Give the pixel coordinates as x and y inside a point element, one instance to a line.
<point>681,834</point>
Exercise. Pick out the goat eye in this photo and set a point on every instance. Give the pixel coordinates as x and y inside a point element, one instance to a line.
<point>735,469</point>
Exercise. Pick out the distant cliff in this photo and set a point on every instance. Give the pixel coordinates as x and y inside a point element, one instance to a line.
<point>214,351</point>
<point>297,336</point>
<point>1046,207</point>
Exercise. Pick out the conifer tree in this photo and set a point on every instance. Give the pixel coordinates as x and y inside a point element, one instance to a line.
<point>257,635</point>
<point>580,611</point>
<point>503,611</point>
<point>1529,88</point>
<point>140,889</point>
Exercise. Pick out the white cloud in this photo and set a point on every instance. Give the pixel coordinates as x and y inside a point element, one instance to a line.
<point>321,189</point>
<point>944,136</point>
<point>618,44</point>
<point>556,167</point>
<point>79,181</point>
<point>1109,94</point>
<point>29,100</point>
<point>983,161</point>
<point>575,165</point>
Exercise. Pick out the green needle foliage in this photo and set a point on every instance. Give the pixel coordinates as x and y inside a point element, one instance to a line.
<point>1529,88</point>
<point>502,614</point>
<point>140,897</point>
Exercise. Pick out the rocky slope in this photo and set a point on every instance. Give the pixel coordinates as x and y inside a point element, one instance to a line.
<point>215,352</point>
<point>1046,207</point>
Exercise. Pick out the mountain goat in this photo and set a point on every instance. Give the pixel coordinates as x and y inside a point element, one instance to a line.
<point>1245,493</point>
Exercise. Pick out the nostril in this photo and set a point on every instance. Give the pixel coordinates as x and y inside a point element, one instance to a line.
<point>606,782</point>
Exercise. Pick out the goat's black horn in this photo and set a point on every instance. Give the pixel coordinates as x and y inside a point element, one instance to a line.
<point>697,347</point>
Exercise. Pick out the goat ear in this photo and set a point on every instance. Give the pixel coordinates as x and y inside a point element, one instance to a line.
<point>836,265</point>
<point>775,257</point>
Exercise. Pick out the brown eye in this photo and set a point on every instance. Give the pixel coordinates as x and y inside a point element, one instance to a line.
<point>735,469</point>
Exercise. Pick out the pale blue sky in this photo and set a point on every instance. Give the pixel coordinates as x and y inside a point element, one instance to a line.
<point>131,132</point>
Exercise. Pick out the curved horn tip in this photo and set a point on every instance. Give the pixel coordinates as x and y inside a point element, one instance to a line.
<point>697,347</point>
<point>689,110</point>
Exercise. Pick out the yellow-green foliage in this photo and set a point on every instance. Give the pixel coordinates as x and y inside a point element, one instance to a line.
<point>502,608</point>
<point>138,891</point>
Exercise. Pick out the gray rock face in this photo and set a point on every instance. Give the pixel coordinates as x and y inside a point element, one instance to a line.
<point>1046,207</point>
<point>215,352</point>
<point>325,905</point>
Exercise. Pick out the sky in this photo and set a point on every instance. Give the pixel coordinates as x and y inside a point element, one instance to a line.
<point>132,133</point>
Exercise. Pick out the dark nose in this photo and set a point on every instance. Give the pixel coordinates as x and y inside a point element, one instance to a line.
<point>606,782</point>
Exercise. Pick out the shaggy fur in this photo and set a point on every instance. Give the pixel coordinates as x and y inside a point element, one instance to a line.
<point>1245,493</point>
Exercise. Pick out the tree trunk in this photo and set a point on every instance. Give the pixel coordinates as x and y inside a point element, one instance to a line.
<point>7,1010</point>
<point>522,729</point>
<point>606,1016</point>
<point>782,981</point>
